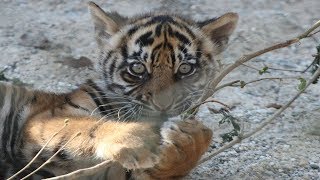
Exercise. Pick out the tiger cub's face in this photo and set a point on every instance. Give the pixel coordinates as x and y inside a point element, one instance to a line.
<point>158,61</point>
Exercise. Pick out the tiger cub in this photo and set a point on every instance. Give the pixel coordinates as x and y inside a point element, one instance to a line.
<point>151,67</point>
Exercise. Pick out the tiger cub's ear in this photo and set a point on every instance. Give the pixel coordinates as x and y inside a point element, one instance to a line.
<point>220,29</point>
<point>105,24</point>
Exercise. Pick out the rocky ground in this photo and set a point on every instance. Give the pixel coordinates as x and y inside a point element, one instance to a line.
<point>45,44</point>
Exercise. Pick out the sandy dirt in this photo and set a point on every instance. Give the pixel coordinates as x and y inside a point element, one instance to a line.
<point>40,41</point>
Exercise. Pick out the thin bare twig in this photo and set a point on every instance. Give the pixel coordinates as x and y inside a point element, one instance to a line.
<point>41,150</point>
<point>271,68</point>
<point>215,101</point>
<point>227,84</point>
<point>264,124</point>
<point>267,78</point>
<point>234,83</point>
<point>49,160</point>
<point>251,67</point>
<point>309,33</point>
<point>210,89</point>
<point>83,172</point>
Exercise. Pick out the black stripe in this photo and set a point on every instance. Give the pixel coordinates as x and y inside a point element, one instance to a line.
<point>45,174</point>
<point>181,37</point>
<point>154,51</point>
<point>198,53</point>
<point>106,58</point>
<point>105,74</point>
<point>158,30</point>
<point>70,103</point>
<point>124,51</point>
<point>113,87</point>
<point>6,135</point>
<point>98,101</point>
<point>132,30</point>
<point>145,39</point>
<point>136,55</point>
<point>111,69</point>
<point>170,31</point>
<point>193,36</point>
<point>131,90</point>
<point>15,134</point>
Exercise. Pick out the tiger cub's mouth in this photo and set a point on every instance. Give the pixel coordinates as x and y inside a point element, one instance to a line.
<point>168,106</point>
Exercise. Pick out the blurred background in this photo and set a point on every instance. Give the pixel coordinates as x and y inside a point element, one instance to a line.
<point>49,44</point>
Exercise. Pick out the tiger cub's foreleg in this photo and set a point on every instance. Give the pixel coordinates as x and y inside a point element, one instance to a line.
<point>133,145</point>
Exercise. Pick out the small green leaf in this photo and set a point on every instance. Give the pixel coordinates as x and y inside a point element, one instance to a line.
<point>227,137</point>
<point>235,125</point>
<point>223,120</point>
<point>303,84</point>
<point>263,70</point>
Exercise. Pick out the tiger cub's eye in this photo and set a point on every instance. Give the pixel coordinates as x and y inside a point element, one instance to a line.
<point>185,69</point>
<point>137,68</point>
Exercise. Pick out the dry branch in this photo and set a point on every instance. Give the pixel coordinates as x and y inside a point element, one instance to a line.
<point>213,84</point>
<point>49,160</point>
<point>211,87</point>
<point>264,124</point>
<point>83,172</point>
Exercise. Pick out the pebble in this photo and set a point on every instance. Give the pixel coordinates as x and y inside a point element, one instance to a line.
<point>314,166</point>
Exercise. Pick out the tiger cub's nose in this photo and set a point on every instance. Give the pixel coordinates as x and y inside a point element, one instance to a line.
<point>163,101</point>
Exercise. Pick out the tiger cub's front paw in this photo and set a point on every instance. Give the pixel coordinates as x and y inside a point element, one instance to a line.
<point>188,135</point>
<point>183,144</point>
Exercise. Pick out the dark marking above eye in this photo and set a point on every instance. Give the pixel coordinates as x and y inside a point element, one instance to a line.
<point>183,48</point>
<point>136,55</point>
<point>145,39</point>
<point>133,30</point>
<point>181,37</point>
